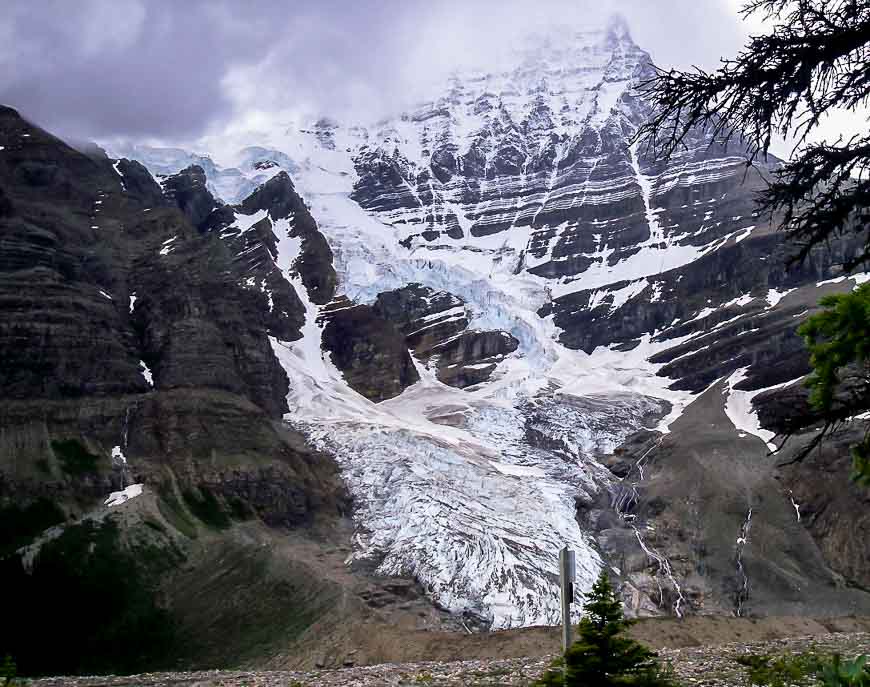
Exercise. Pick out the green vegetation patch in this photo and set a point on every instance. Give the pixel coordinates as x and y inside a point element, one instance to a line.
<point>205,506</point>
<point>838,339</point>
<point>781,671</point>
<point>89,600</point>
<point>74,458</point>
<point>240,509</point>
<point>8,671</point>
<point>236,606</point>
<point>20,524</point>
<point>175,515</point>
<point>808,668</point>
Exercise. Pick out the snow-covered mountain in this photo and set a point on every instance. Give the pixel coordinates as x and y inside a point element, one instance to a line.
<point>564,298</point>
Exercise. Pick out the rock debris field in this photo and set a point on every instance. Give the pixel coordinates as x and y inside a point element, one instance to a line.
<point>708,666</point>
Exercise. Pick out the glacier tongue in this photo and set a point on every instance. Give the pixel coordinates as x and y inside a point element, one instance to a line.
<point>448,489</point>
<point>448,486</point>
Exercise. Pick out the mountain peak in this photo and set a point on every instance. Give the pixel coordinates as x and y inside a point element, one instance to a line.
<point>617,29</point>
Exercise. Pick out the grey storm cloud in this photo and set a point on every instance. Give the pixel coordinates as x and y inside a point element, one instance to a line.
<point>121,66</point>
<point>172,69</point>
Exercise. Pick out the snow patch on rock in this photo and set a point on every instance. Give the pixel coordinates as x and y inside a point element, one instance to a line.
<point>116,498</point>
<point>738,407</point>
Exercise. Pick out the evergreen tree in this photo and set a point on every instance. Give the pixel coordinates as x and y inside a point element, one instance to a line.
<point>7,671</point>
<point>812,62</point>
<point>839,342</point>
<point>603,655</point>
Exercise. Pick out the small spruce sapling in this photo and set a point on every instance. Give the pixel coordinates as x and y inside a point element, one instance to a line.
<point>603,655</point>
<point>8,671</point>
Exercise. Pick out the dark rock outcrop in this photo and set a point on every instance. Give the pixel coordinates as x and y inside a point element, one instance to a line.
<point>435,327</point>
<point>314,264</point>
<point>138,182</point>
<point>199,326</point>
<point>187,191</point>
<point>721,301</point>
<point>369,351</point>
<point>255,261</point>
<point>471,357</point>
<point>830,506</point>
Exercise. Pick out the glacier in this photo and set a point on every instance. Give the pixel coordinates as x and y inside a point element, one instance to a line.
<point>473,491</point>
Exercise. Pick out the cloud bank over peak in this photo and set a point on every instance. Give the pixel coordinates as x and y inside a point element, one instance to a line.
<point>166,71</point>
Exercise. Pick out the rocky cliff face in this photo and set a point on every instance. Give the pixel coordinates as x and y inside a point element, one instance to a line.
<point>369,351</point>
<point>134,344</point>
<point>279,199</point>
<point>435,325</point>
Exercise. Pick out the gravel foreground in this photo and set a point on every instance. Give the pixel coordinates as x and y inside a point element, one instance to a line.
<point>707,666</point>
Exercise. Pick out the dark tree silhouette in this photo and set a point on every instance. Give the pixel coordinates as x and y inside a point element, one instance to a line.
<point>814,60</point>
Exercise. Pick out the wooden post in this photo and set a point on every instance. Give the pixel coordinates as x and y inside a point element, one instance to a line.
<point>567,571</point>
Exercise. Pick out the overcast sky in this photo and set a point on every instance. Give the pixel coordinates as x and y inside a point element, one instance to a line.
<point>167,70</point>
